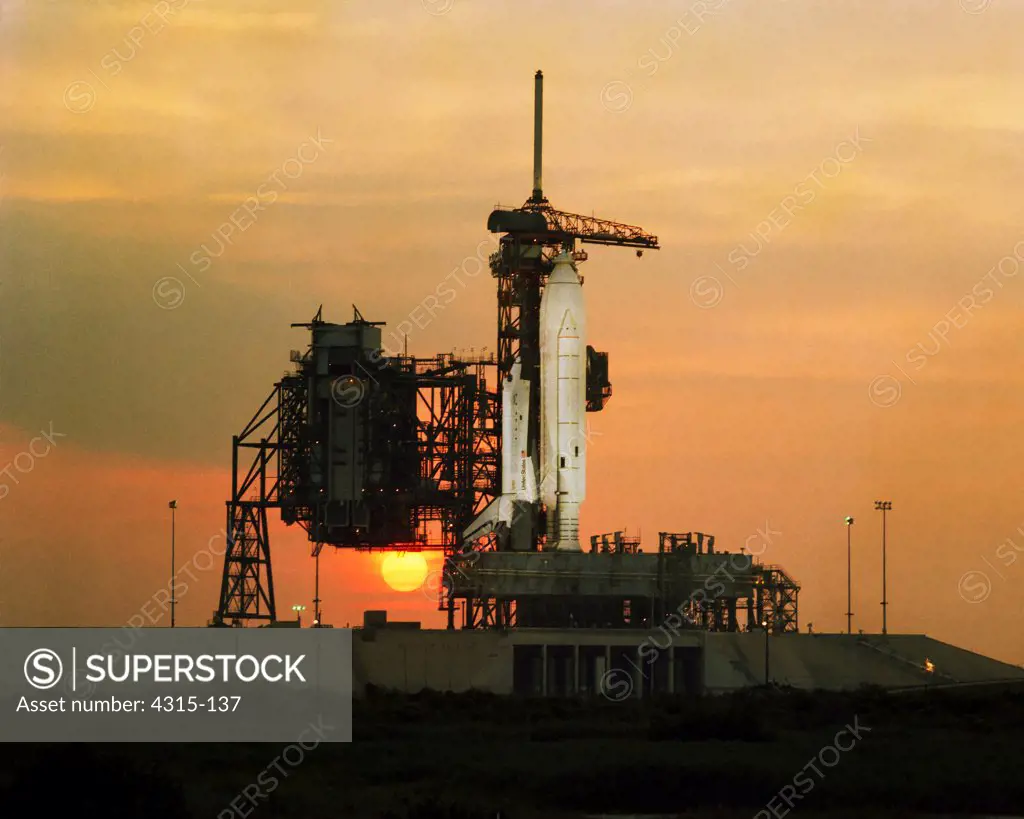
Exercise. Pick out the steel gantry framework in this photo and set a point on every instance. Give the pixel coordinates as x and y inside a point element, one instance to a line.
<point>426,430</point>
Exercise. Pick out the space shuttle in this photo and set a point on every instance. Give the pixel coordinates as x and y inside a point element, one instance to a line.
<point>559,480</point>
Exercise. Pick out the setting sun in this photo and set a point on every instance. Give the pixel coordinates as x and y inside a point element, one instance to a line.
<point>404,571</point>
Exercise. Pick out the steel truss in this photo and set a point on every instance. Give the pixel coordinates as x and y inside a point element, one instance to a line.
<point>456,451</point>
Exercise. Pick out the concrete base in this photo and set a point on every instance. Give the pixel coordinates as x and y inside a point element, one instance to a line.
<point>625,663</point>
<point>844,661</point>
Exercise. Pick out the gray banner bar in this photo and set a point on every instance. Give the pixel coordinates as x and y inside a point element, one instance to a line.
<point>175,685</point>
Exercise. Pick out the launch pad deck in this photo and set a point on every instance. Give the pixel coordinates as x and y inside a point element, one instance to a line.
<point>724,591</point>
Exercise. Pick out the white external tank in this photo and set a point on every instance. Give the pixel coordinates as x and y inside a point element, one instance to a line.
<point>563,391</point>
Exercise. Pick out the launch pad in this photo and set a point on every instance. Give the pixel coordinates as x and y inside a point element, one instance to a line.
<point>483,459</point>
<point>617,586</point>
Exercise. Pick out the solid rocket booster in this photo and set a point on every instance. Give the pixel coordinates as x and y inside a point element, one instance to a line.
<point>518,472</point>
<point>563,390</point>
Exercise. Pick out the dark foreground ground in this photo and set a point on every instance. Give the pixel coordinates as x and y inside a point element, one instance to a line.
<point>465,756</point>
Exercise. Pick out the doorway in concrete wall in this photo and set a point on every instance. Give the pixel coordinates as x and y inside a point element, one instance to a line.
<point>593,666</point>
<point>527,670</point>
<point>561,671</point>
<point>686,671</point>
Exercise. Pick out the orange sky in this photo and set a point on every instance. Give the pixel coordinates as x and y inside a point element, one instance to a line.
<point>875,149</point>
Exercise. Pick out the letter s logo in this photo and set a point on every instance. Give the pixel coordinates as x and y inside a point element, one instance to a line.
<point>39,668</point>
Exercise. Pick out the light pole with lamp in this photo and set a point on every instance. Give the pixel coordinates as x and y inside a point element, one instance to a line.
<point>849,583</point>
<point>172,505</point>
<point>883,507</point>
<point>316,593</point>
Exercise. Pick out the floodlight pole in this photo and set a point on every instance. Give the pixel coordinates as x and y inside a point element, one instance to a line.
<point>172,505</point>
<point>883,507</point>
<point>849,576</point>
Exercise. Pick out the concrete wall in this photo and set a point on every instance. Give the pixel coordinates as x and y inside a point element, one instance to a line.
<point>412,660</point>
<point>841,661</point>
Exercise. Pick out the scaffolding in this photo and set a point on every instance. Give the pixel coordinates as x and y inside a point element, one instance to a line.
<point>362,451</point>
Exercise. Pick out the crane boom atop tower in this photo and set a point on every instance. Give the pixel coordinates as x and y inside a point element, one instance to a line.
<point>538,222</point>
<point>544,221</point>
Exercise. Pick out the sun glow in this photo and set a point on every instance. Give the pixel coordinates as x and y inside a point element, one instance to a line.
<point>404,571</point>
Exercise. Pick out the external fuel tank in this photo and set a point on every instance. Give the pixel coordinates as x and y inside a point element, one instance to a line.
<point>563,391</point>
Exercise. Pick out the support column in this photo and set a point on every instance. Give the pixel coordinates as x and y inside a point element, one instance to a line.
<point>544,670</point>
<point>672,669</point>
<point>575,688</point>
<point>607,665</point>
